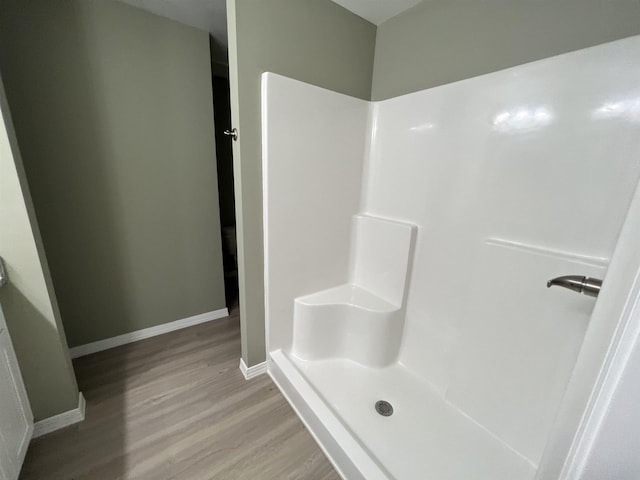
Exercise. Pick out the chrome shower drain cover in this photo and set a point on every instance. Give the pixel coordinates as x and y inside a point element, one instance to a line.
<point>384,408</point>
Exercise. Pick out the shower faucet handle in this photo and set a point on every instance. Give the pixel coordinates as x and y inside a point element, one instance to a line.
<point>578,283</point>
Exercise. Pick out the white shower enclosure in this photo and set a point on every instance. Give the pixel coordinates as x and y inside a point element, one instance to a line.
<point>408,243</point>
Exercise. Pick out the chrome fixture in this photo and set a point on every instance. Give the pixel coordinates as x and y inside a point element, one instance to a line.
<point>585,285</point>
<point>233,133</point>
<point>3,273</point>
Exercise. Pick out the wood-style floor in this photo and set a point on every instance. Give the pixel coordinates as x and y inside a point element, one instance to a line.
<point>177,407</point>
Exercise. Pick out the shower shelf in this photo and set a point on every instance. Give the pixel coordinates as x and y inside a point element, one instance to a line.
<point>361,320</point>
<point>351,296</point>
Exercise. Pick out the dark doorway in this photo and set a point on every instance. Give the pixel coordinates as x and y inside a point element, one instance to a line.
<point>224,154</point>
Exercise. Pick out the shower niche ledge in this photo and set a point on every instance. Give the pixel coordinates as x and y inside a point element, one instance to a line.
<point>363,319</point>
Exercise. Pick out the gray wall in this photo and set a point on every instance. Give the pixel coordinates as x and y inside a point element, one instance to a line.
<point>441,41</point>
<point>114,117</point>
<point>28,300</point>
<point>315,41</point>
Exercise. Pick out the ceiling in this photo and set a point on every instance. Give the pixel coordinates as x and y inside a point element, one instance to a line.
<point>377,11</point>
<point>211,15</point>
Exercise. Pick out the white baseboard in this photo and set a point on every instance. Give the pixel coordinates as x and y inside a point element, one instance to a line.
<point>61,420</point>
<point>131,337</point>
<point>250,372</point>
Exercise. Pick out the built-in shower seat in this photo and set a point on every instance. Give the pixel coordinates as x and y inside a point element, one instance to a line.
<point>363,319</point>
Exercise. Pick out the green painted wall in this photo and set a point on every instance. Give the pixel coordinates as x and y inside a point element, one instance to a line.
<point>28,300</point>
<point>114,117</point>
<point>441,41</point>
<point>315,41</point>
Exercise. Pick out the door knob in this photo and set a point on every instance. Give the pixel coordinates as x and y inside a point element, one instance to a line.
<point>233,133</point>
<point>3,273</point>
<point>585,285</point>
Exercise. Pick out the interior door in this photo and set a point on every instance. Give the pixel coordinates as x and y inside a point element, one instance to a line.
<point>16,419</point>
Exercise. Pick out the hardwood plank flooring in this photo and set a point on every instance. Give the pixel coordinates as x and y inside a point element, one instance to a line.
<point>177,407</point>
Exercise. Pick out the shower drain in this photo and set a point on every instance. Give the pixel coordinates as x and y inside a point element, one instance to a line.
<point>384,408</point>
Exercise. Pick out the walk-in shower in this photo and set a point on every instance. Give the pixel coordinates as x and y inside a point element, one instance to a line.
<point>408,247</point>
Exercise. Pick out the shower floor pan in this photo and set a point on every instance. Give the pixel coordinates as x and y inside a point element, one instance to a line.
<point>425,438</point>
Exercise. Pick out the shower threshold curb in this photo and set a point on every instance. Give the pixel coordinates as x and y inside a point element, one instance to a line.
<point>342,449</point>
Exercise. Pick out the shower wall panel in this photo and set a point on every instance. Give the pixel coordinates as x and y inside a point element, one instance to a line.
<point>512,178</point>
<point>313,154</point>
